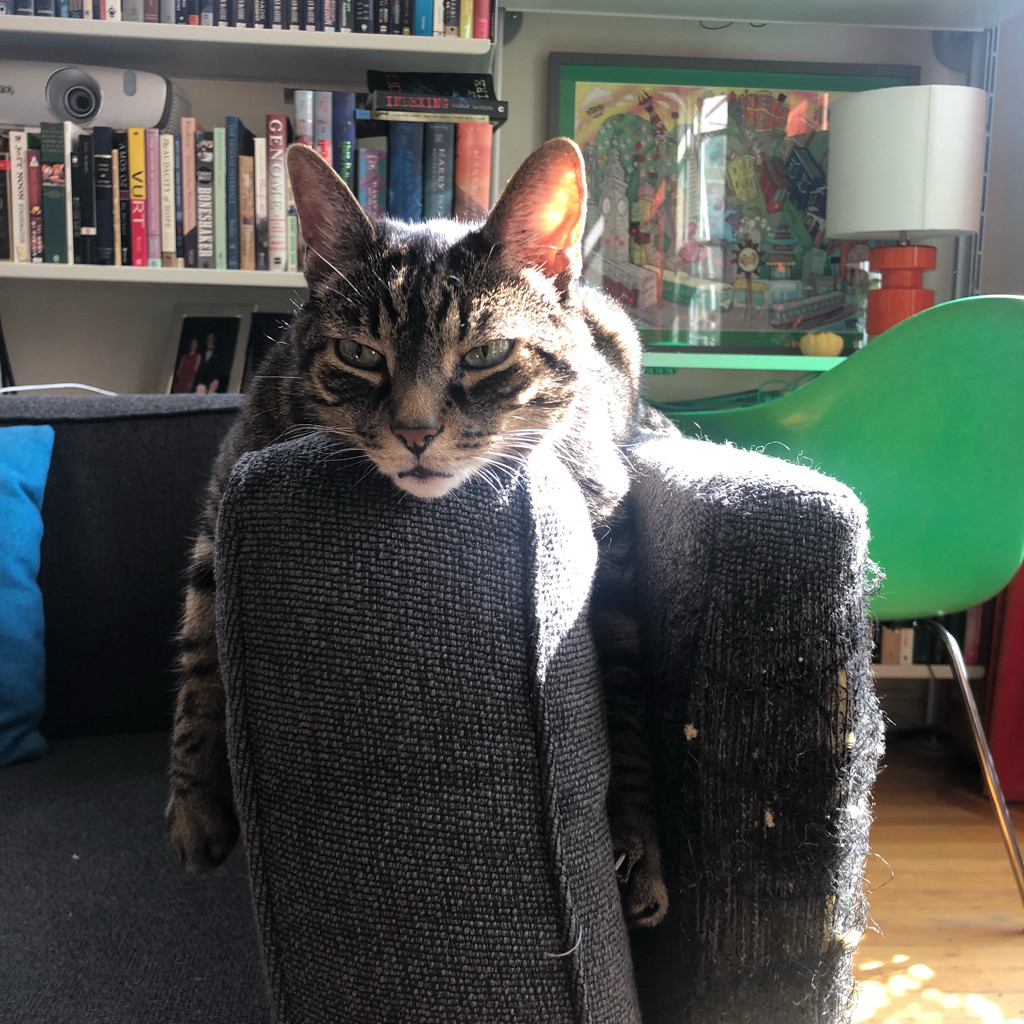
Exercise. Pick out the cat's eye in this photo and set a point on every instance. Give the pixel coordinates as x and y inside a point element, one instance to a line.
<point>485,356</point>
<point>362,357</point>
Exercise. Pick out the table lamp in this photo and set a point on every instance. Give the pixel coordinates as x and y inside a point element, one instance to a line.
<point>905,163</point>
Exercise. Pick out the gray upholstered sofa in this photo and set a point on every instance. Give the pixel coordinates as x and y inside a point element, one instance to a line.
<point>418,744</point>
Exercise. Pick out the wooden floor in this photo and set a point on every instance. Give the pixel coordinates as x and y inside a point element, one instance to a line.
<point>949,945</point>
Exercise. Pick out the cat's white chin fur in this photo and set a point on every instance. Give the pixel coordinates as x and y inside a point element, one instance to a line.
<point>430,486</point>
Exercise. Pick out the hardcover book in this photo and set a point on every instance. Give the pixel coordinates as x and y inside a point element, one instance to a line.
<point>473,143</point>
<point>87,198</point>
<point>362,16</point>
<point>405,171</point>
<point>304,116</point>
<point>154,198</point>
<point>54,181</point>
<point>33,159</point>
<point>124,198</point>
<point>409,106</point>
<point>277,198</point>
<point>239,144</point>
<point>260,192</point>
<point>343,141</point>
<point>372,175</point>
<point>220,212</point>
<point>323,129</point>
<point>103,146</point>
<point>438,170</point>
<point>205,254</point>
<point>168,254</point>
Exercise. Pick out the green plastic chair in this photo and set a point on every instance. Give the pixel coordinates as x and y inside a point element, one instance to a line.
<point>926,425</point>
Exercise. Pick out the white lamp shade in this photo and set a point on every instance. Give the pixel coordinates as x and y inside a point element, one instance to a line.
<point>906,159</point>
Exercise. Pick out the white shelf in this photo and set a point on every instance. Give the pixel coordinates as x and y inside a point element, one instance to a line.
<point>923,671</point>
<point>952,15</point>
<point>247,54</point>
<point>669,362</point>
<point>47,272</point>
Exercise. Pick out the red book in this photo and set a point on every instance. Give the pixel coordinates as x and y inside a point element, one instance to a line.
<point>481,19</point>
<point>472,170</point>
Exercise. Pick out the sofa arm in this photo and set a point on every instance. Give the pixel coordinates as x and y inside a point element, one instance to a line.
<point>418,746</point>
<point>767,730</point>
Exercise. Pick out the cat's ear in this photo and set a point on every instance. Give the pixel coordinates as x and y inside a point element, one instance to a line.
<point>539,218</point>
<point>336,230</point>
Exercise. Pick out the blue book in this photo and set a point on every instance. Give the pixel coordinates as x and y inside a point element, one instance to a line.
<point>405,170</point>
<point>179,204</point>
<point>438,169</point>
<point>238,142</point>
<point>343,140</point>
<point>423,18</point>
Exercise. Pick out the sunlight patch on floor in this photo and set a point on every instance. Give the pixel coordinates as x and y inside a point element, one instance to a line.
<point>904,993</point>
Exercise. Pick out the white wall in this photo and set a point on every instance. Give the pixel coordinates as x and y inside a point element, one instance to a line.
<point>115,336</point>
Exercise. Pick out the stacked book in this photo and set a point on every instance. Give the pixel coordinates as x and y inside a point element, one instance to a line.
<point>219,198</point>
<point>466,19</point>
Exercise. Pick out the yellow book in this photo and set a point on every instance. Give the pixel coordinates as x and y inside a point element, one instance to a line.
<point>137,194</point>
<point>466,19</point>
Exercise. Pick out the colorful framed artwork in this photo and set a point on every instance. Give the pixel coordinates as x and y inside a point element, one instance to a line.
<point>707,196</point>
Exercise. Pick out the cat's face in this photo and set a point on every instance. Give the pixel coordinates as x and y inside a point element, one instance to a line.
<point>444,352</point>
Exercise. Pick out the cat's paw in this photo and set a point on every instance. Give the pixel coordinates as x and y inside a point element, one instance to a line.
<point>641,886</point>
<point>203,829</point>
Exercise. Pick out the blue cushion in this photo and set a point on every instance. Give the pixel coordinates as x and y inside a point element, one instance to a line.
<point>24,462</point>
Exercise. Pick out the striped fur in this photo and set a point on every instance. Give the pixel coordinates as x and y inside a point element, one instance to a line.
<point>435,354</point>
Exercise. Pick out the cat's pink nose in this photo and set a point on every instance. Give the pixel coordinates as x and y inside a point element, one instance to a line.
<point>416,439</point>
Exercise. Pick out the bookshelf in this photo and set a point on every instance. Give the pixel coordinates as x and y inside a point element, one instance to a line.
<point>241,54</point>
<point>180,276</point>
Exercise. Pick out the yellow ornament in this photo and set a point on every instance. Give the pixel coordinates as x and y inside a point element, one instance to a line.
<point>824,343</point>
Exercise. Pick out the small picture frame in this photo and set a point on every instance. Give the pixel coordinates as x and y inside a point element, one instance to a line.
<point>204,353</point>
<point>266,329</point>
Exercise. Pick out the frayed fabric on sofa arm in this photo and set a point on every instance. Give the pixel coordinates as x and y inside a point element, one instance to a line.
<point>420,756</point>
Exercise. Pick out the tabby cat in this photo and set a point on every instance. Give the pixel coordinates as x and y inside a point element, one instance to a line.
<point>443,351</point>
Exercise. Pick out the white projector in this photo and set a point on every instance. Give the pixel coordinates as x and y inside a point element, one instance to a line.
<point>35,91</point>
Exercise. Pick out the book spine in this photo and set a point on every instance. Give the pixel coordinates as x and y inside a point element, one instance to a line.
<point>292,262</point>
<point>87,197</point>
<point>124,198</point>
<point>386,105</point>
<point>381,15</point>
<point>277,204</point>
<point>323,128</point>
<point>438,26</point>
<point>473,144</point>
<point>71,133</point>
<point>345,16</point>
<point>465,19</point>
<point>36,238</point>
<point>438,170</point>
<point>131,10</point>
<point>481,19</point>
<point>103,144</point>
<point>168,14</point>
<point>54,206</point>
<point>231,130</point>
<point>74,215</point>
<point>451,17</point>
<point>304,116</point>
<point>220,213</point>
<point>151,11</point>
<point>260,189</point>
<point>115,177</point>
<point>372,178</point>
<point>343,114</point>
<point>19,197</point>
<point>6,219</point>
<point>188,191</point>
<point>246,212</point>
<point>330,16</point>
<point>205,255</point>
<point>153,201</point>
<point>112,10</point>
<point>179,200</point>
<point>362,16</point>
<point>405,171</point>
<point>26,7</point>
<point>423,18</point>
<point>168,246</point>
<point>45,9</point>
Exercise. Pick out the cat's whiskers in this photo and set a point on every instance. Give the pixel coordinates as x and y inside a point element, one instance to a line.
<point>352,287</point>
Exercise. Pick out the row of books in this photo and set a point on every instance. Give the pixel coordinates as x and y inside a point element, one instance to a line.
<point>467,19</point>
<point>218,199</point>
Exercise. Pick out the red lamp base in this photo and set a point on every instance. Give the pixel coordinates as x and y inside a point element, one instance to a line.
<point>902,268</point>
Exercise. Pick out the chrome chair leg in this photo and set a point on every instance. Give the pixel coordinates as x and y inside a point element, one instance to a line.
<point>956,664</point>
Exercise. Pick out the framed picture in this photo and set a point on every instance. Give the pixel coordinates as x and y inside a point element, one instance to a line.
<point>707,195</point>
<point>266,329</point>
<point>203,351</point>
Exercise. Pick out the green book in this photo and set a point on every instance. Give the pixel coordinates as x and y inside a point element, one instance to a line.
<point>220,199</point>
<point>55,177</point>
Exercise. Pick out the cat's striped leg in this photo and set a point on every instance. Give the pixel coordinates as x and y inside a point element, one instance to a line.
<point>200,814</point>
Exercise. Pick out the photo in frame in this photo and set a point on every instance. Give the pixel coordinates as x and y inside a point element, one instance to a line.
<point>266,329</point>
<point>204,350</point>
<point>707,196</point>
